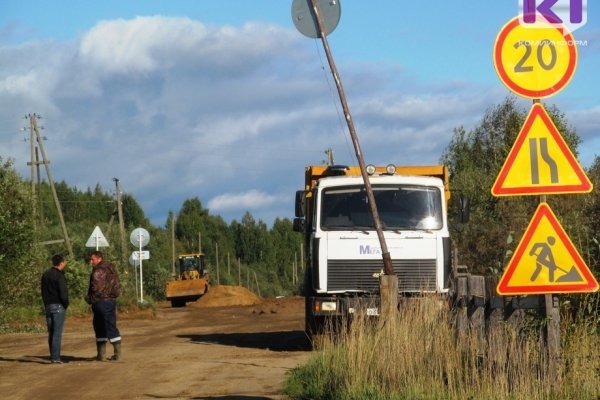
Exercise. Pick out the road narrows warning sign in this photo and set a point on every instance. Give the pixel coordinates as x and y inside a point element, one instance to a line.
<point>546,261</point>
<point>540,161</point>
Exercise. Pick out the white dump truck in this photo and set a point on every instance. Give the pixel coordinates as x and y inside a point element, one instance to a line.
<point>343,258</point>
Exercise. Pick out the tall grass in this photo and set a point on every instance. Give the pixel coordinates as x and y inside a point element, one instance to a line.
<point>419,355</point>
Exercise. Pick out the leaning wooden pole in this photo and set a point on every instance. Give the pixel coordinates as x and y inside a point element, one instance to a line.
<point>121,223</point>
<point>51,181</point>
<point>388,268</point>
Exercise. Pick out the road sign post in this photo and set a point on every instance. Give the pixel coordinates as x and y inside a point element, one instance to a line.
<point>97,239</point>
<point>135,264</point>
<point>140,237</point>
<point>537,62</point>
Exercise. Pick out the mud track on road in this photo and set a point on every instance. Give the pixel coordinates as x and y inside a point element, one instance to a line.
<point>203,351</point>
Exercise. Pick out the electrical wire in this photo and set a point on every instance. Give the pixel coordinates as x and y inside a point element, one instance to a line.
<point>335,101</point>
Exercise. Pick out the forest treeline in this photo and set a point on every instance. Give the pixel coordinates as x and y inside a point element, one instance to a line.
<point>250,253</point>
<point>245,252</point>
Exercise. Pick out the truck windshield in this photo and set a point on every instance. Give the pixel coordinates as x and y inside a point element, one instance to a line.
<point>400,207</point>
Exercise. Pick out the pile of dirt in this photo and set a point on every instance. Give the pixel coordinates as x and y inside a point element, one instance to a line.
<point>284,305</point>
<point>222,296</point>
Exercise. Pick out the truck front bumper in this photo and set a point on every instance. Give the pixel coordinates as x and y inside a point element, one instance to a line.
<point>343,305</point>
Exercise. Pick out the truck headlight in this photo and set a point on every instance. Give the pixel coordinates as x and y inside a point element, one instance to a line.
<point>325,306</point>
<point>370,169</point>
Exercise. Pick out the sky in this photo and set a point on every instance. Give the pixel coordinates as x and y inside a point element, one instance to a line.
<point>228,102</point>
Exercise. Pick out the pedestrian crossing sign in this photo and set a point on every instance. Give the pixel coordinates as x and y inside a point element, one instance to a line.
<point>546,261</point>
<point>540,161</point>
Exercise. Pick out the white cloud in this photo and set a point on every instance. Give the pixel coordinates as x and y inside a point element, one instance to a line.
<point>148,44</point>
<point>177,109</point>
<point>251,200</point>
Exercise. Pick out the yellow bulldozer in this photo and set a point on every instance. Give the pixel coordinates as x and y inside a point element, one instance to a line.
<point>190,282</point>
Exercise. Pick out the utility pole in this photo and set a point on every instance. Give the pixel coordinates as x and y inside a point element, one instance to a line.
<point>46,162</point>
<point>302,256</point>
<point>329,153</point>
<point>39,186</point>
<point>388,281</point>
<point>388,268</point>
<point>32,127</point>
<point>121,222</point>
<point>173,243</point>
<point>217,259</point>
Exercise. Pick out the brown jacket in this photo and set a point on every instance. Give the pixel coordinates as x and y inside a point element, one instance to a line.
<point>104,283</point>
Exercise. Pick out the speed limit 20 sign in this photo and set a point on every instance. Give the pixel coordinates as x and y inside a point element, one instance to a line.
<point>535,62</point>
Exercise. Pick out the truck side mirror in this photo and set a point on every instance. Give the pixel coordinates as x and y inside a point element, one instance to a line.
<point>299,224</point>
<point>300,204</point>
<point>463,208</point>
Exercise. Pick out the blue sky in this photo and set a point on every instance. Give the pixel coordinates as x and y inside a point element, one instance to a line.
<point>228,102</point>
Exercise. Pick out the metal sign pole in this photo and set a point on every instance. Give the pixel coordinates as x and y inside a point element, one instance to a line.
<point>136,281</point>
<point>139,238</point>
<point>141,269</point>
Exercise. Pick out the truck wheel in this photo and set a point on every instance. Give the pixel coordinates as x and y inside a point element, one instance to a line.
<point>316,331</point>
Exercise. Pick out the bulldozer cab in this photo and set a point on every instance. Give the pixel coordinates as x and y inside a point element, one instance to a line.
<point>191,281</point>
<point>191,266</point>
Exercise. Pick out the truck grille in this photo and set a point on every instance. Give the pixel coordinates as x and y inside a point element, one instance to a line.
<point>350,275</point>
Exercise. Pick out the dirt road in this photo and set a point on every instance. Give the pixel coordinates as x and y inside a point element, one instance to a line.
<point>202,351</point>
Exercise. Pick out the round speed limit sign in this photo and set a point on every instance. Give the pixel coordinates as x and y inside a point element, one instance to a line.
<point>534,61</point>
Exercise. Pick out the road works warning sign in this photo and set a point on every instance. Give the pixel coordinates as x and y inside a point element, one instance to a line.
<point>540,161</point>
<point>546,261</point>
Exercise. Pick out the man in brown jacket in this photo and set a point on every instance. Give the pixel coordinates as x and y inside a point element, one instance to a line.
<point>102,295</point>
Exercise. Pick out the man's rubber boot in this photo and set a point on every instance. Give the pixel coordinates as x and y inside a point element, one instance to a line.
<point>117,348</point>
<point>101,348</point>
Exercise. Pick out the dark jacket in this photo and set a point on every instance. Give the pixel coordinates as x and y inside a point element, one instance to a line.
<point>104,283</point>
<point>54,288</point>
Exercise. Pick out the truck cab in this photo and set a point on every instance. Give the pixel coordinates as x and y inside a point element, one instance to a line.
<point>343,253</point>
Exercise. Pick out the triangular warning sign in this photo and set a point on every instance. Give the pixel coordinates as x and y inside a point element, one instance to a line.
<point>97,239</point>
<point>540,162</point>
<point>546,261</point>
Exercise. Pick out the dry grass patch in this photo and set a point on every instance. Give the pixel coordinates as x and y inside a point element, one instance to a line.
<point>419,355</point>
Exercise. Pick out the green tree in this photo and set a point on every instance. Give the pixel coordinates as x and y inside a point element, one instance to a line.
<point>189,223</point>
<point>592,217</point>
<point>133,214</point>
<point>475,159</point>
<point>252,244</point>
<point>16,216</point>
<point>19,259</point>
<point>286,245</point>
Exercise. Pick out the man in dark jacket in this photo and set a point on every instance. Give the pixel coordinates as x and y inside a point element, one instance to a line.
<point>56,301</point>
<point>102,295</point>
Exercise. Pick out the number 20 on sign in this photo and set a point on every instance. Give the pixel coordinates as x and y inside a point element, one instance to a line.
<point>535,61</point>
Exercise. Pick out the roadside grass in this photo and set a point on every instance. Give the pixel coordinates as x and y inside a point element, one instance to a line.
<point>419,355</point>
<point>22,319</point>
<point>31,319</point>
